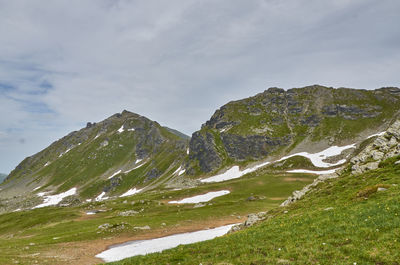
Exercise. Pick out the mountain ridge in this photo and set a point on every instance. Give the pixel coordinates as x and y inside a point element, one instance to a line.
<point>279,121</point>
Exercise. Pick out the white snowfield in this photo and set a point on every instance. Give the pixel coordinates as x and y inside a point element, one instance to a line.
<point>376,134</point>
<point>120,130</point>
<point>233,173</point>
<point>202,198</point>
<point>54,199</point>
<point>131,192</point>
<point>143,247</point>
<point>101,197</point>
<point>317,158</point>
<point>66,151</point>
<point>115,173</point>
<point>318,172</point>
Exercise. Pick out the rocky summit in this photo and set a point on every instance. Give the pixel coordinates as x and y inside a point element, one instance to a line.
<point>280,121</point>
<point>110,157</point>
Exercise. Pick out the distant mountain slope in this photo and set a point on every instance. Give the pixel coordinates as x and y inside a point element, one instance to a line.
<point>278,122</point>
<point>106,158</point>
<point>2,177</point>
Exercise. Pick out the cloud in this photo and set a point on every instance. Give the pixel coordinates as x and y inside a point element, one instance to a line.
<point>67,62</point>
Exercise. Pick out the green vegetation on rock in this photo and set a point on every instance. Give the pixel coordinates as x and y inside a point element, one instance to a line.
<point>276,122</point>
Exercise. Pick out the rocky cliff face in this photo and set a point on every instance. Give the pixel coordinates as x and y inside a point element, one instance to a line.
<point>278,121</point>
<point>111,156</point>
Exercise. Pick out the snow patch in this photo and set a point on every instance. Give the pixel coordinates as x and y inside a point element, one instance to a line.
<point>120,130</point>
<point>37,188</point>
<point>17,210</point>
<point>54,199</point>
<point>66,151</point>
<point>318,172</point>
<point>101,197</point>
<point>131,130</point>
<point>376,134</point>
<point>137,161</point>
<point>317,158</point>
<point>142,247</point>
<point>131,192</point>
<point>187,151</point>
<point>233,173</point>
<point>202,198</point>
<point>47,163</point>
<point>181,172</point>
<point>115,173</point>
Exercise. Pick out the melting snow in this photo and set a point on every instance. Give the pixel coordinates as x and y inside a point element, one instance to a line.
<point>54,199</point>
<point>66,151</point>
<point>320,172</point>
<point>376,134</point>
<point>203,198</point>
<point>233,173</point>
<point>101,197</point>
<point>137,161</point>
<point>142,247</point>
<point>317,158</point>
<point>131,192</point>
<point>115,173</point>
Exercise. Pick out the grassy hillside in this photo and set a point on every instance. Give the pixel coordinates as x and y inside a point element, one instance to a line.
<point>66,235</point>
<point>142,151</point>
<point>344,221</point>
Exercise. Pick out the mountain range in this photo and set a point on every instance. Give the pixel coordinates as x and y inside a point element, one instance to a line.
<point>127,171</point>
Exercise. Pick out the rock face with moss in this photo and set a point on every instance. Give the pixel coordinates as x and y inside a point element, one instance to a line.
<point>383,147</point>
<point>276,122</point>
<point>124,151</point>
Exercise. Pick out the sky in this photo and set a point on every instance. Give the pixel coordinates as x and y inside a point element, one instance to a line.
<point>66,62</point>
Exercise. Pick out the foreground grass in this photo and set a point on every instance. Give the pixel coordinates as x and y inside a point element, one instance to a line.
<point>27,237</point>
<point>344,221</point>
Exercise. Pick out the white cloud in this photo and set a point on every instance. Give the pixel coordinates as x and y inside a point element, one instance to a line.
<point>177,61</point>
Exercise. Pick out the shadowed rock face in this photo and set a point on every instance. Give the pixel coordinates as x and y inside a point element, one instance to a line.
<point>203,150</point>
<point>251,147</point>
<point>257,127</point>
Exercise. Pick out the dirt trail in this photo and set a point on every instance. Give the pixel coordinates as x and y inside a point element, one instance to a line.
<point>83,253</point>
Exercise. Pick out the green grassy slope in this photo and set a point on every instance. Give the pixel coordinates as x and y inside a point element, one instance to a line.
<point>343,221</point>
<point>86,159</point>
<point>42,230</point>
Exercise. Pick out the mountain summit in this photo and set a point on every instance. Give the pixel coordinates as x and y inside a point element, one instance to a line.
<point>278,122</point>
<point>120,154</point>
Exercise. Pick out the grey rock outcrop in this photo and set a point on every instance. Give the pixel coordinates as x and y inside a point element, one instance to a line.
<point>298,194</point>
<point>252,219</point>
<point>383,147</point>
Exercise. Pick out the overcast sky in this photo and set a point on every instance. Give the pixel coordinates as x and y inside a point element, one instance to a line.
<point>64,63</point>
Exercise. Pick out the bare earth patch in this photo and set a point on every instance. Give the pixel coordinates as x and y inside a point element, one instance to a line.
<point>77,253</point>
